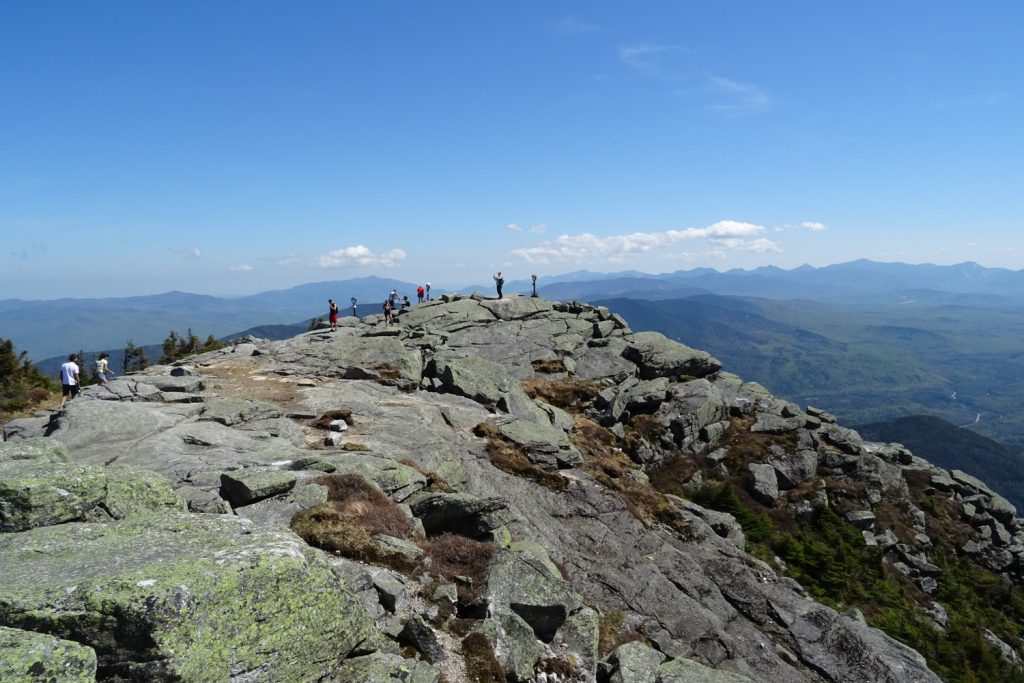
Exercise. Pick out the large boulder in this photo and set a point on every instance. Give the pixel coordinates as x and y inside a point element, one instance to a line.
<point>658,356</point>
<point>27,656</point>
<point>184,597</point>
<point>44,491</point>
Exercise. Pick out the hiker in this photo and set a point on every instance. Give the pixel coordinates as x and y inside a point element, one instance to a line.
<point>103,368</point>
<point>498,282</point>
<point>69,380</point>
<point>419,294</point>
<point>428,291</point>
<point>332,312</point>
<point>406,303</point>
<point>393,297</point>
<point>388,311</point>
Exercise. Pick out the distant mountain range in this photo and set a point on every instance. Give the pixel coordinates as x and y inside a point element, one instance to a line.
<point>869,341</point>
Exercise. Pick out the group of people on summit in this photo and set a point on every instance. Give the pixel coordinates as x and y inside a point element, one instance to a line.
<point>394,301</point>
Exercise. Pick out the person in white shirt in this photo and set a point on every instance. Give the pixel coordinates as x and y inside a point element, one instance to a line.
<point>69,381</point>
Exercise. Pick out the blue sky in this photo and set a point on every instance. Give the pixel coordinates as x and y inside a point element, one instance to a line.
<point>233,147</point>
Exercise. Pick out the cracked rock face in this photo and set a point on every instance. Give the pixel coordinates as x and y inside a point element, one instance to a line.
<point>237,438</point>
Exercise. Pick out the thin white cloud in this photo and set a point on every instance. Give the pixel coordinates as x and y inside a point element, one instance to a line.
<point>188,252</point>
<point>576,26</point>
<point>813,226</point>
<point>358,256</point>
<point>240,269</point>
<point>739,98</point>
<point>978,101</point>
<point>759,246</point>
<point>290,261</point>
<point>655,60</point>
<point>619,248</point>
<point>540,227</point>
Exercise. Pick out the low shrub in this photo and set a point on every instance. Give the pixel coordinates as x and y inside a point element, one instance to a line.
<point>462,560</point>
<point>481,664</point>
<point>510,457</point>
<point>571,395</point>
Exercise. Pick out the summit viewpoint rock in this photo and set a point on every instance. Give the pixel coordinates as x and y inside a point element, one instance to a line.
<point>512,490</point>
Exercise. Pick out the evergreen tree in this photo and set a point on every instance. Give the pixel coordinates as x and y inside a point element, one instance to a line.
<point>134,358</point>
<point>21,383</point>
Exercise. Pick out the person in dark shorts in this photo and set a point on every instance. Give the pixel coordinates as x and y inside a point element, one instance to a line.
<point>69,380</point>
<point>499,281</point>
<point>332,313</point>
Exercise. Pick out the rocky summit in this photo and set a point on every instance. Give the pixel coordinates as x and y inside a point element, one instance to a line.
<point>486,490</point>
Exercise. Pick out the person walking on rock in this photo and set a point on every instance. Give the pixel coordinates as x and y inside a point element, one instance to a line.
<point>332,311</point>
<point>103,368</point>
<point>69,380</point>
<point>498,282</point>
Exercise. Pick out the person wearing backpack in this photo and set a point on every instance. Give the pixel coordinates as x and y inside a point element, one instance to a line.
<point>498,282</point>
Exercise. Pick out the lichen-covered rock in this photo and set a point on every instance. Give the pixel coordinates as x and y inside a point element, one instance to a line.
<point>35,448</point>
<point>184,597</point>
<point>43,491</point>
<point>380,667</point>
<point>28,657</point>
<point>132,491</point>
<point>658,356</point>
<point>688,671</point>
<point>243,487</point>
<point>764,484</point>
<point>459,513</point>
<point>393,478</point>
<point>514,642</point>
<point>523,580</point>
<point>634,662</point>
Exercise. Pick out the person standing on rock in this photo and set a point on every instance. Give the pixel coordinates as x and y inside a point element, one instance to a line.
<point>498,282</point>
<point>389,308</point>
<point>69,380</point>
<point>419,294</point>
<point>427,292</point>
<point>103,368</point>
<point>332,311</point>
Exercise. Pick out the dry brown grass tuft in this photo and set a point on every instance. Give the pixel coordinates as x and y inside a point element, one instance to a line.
<point>354,513</point>
<point>549,366</point>
<point>509,457</point>
<point>745,446</point>
<point>610,467</point>
<point>455,556</point>
<point>387,371</point>
<point>611,635</point>
<point>670,474</point>
<point>481,664</point>
<point>571,395</point>
<point>325,420</point>
<point>354,446</point>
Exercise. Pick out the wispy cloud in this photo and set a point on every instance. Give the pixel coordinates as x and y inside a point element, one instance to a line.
<point>290,261</point>
<point>813,226</point>
<point>656,60</point>
<point>725,235</point>
<point>576,26</point>
<point>187,252</point>
<point>976,101</point>
<point>739,99</point>
<point>540,227</point>
<point>240,269</point>
<point>358,256</point>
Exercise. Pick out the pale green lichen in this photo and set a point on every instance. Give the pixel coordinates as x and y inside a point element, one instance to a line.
<point>179,596</point>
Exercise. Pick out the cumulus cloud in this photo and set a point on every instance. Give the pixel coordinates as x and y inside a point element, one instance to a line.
<point>358,256</point>
<point>240,269</point>
<point>813,225</point>
<point>188,252</point>
<point>540,227</point>
<point>618,248</point>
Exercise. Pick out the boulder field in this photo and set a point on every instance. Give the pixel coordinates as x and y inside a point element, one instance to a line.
<point>464,495</point>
